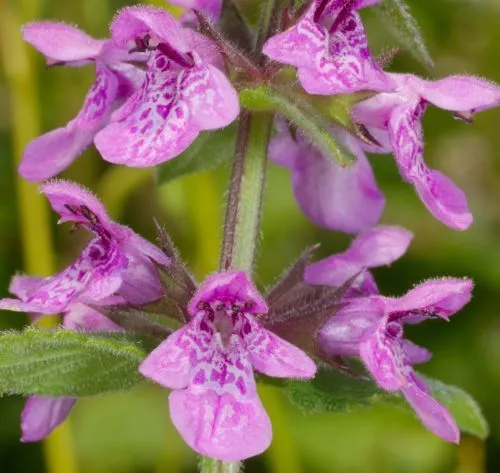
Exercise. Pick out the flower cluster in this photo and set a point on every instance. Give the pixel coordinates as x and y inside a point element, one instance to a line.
<point>328,46</point>
<point>160,82</point>
<point>371,326</point>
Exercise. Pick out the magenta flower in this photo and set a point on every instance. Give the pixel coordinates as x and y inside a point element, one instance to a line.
<point>42,414</point>
<point>49,154</point>
<point>373,328</point>
<point>115,261</point>
<point>378,246</point>
<point>333,197</point>
<point>329,48</point>
<point>394,119</point>
<point>183,93</point>
<point>209,364</point>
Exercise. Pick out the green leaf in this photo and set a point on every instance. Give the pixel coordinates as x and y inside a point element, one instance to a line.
<point>66,363</point>
<point>404,26</point>
<point>463,408</point>
<point>331,391</point>
<point>302,114</point>
<point>209,150</point>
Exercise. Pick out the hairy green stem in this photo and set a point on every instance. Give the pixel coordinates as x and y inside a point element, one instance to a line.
<point>243,211</point>
<point>265,23</point>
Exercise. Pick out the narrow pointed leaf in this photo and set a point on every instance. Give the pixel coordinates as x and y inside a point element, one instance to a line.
<point>331,391</point>
<point>299,314</point>
<point>302,114</point>
<point>66,363</point>
<point>210,150</point>
<point>403,25</point>
<point>292,276</point>
<point>177,280</point>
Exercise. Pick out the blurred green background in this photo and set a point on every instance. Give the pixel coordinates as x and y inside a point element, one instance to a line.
<point>131,432</point>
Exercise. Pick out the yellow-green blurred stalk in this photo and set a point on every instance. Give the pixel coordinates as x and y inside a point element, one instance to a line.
<point>205,217</point>
<point>471,455</point>
<point>35,229</point>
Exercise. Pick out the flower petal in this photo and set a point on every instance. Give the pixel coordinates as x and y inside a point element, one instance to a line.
<point>384,356</point>
<point>49,154</point>
<point>354,323</point>
<point>366,3</point>
<point>82,318</point>
<point>375,247</point>
<point>438,193</point>
<point>415,353</point>
<point>137,22</point>
<point>68,198</point>
<point>171,363</point>
<point>284,149</point>
<point>93,276</point>
<point>220,414</point>
<point>140,282</point>
<point>345,65</point>
<point>432,414</point>
<point>61,42</point>
<point>299,45</point>
<point>459,93</point>
<point>337,198</point>
<point>275,357</point>
<point>329,63</point>
<point>221,426</point>
<point>99,100</point>
<point>22,286</point>
<point>210,97</point>
<point>167,115</point>
<point>380,246</point>
<point>41,415</point>
<point>376,111</point>
<point>434,297</point>
<point>229,286</point>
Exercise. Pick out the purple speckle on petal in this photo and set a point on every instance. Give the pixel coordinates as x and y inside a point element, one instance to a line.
<point>200,377</point>
<point>240,384</point>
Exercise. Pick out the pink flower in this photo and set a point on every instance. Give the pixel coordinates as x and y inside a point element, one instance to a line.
<point>115,262</point>
<point>209,365</point>
<point>49,154</point>
<point>333,197</point>
<point>378,246</point>
<point>183,93</point>
<point>371,326</point>
<point>328,46</point>
<point>116,267</point>
<point>394,119</point>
